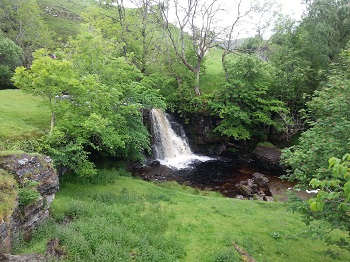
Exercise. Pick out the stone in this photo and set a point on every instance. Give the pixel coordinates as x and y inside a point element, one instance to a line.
<point>22,258</point>
<point>268,157</point>
<point>244,189</point>
<point>28,169</point>
<point>261,180</point>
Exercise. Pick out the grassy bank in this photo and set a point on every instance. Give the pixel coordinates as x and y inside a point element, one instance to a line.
<point>22,116</point>
<point>214,75</point>
<point>119,218</point>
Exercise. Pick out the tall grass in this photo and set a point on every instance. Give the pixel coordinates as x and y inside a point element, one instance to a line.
<point>126,219</point>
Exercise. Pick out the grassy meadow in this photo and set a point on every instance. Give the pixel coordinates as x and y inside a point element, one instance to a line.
<point>116,217</point>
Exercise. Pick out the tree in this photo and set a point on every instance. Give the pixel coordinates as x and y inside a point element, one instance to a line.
<point>135,29</point>
<point>96,101</point>
<point>329,121</point>
<point>325,30</point>
<point>48,78</point>
<point>10,56</point>
<point>243,104</point>
<point>197,27</point>
<point>331,205</point>
<point>22,22</point>
<point>293,72</point>
<point>231,33</point>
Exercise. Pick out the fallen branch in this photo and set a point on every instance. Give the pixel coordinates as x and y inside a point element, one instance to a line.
<point>244,255</point>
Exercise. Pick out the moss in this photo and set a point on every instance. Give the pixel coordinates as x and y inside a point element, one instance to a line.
<point>8,195</point>
<point>266,144</point>
<point>10,153</point>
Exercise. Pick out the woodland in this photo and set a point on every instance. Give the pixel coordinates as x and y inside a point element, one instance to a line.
<point>96,65</point>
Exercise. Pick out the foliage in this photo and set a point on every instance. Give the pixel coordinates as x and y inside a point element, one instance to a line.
<point>8,195</point>
<point>328,135</point>
<point>292,75</point>
<point>325,30</point>
<point>10,57</point>
<point>27,195</point>
<point>128,218</point>
<point>23,23</point>
<point>331,205</point>
<point>243,103</point>
<point>95,102</point>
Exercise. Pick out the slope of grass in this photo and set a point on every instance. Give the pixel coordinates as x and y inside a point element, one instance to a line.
<point>22,116</point>
<point>214,76</point>
<point>126,219</point>
<point>63,17</point>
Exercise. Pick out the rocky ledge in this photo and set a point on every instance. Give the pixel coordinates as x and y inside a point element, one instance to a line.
<point>37,183</point>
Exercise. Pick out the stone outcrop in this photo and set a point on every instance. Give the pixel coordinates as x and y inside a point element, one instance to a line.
<point>268,157</point>
<point>35,173</point>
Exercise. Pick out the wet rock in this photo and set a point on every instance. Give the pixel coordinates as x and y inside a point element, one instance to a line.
<point>220,149</point>
<point>256,188</point>
<point>155,163</point>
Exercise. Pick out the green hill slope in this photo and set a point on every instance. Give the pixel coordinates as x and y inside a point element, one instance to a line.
<point>22,116</point>
<point>63,17</point>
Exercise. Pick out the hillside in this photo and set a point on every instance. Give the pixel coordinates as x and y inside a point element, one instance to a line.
<point>64,17</point>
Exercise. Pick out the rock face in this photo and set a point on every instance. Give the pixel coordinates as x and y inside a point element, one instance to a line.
<point>34,173</point>
<point>268,156</point>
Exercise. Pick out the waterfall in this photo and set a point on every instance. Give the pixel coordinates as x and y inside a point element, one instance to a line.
<point>170,148</point>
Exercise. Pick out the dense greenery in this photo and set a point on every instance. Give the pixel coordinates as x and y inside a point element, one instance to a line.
<point>95,102</point>
<point>10,57</point>
<point>113,62</point>
<point>243,103</point>
<point>329,121</point>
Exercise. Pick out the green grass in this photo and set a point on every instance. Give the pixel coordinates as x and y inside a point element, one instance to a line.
<point>64,18</point>
<point>22,116</point>
<point>214,75</point>
<point>126,219</point>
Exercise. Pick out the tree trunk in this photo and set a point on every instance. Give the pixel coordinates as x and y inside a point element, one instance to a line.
<point>196,85</point>
<point>223,57</point>
<point>52,122</point>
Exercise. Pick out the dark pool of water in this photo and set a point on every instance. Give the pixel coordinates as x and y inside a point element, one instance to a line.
<point>220,174</point>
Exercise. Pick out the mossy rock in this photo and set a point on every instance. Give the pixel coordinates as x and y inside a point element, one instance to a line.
<point>8,195</point>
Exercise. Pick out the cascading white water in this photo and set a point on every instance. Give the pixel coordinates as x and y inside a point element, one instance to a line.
<point>171,149</point>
